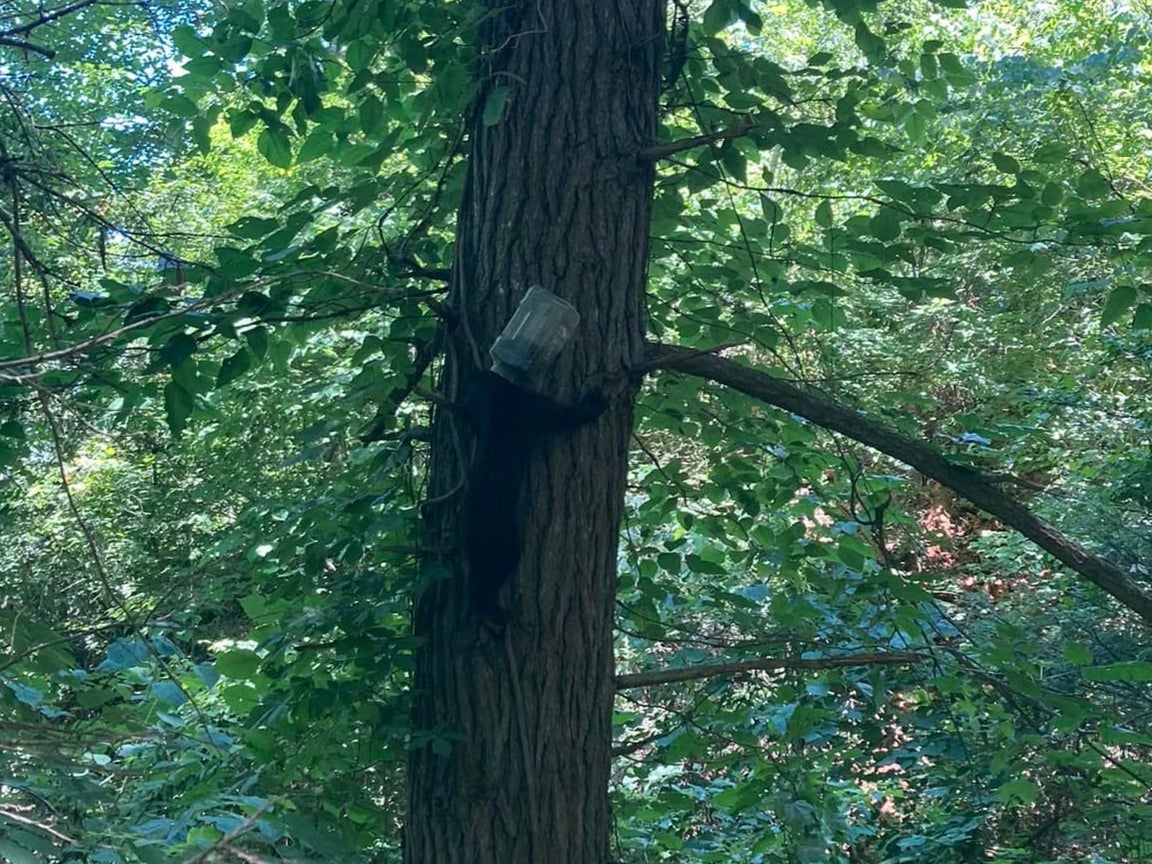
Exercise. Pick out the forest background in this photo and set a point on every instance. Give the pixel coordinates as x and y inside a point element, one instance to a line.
<point>853,569</point>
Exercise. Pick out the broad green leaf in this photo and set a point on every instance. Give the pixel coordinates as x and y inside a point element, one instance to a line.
<point>11,851</point>
<point>771,210</point>
<point>186,40</point>
<point>739,797</point>
<point>167,691</point>
<point>181,106</point>
<point>824,214</point>
<point>178,405</point>
<point>372,114</point>
<point>1076,653</point>
<point>202,133</point>
<point>751,19</point>
<point>239,122</point>
<point>178,349</point>
<point>1093,184</point>
<point>1005,163</point>
<point>494,104</point>
<point>1120,300</point>
<point>319,143</point>
<point>872,46</point>
<point>1142,320</point>
<point>1019,790</point>
<point>233,367</point>
<point>885,225</point>
<point>718,15</point>
<point>252,227</point>
<point>203,67</point>
<point>238,663</point>
<point>257,342</point>
<point>275,146</point>
<point>235,263</point>
<point>361,53</point>
<point>1052,194</point>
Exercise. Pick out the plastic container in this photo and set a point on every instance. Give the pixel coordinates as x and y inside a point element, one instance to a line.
<point>540,327</point>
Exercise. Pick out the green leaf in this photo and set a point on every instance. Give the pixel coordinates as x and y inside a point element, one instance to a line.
<point>915,124</point>
<point>235,263</point>
<point>181,106</point>
<point>751,19</point>
<point>202,133</point>
<point>494,104</point>
<point>233,367</point>
<point>824,214</point>
<point>372,113</point>
<point>1017,791</point>
<point>738,798</point>
<point>178,405</point>
<point>1119,301</point>
<point>178,349</point>
<point>771,210</point>
<point>361,53</point>
<point>1076,653</point>
<point>238,663</point>
<point>1093,184</point>
<point>826,315</point>
<point>187,42</point>
<point>1142,320</point>
<point>240,122</point>
<point>320,143</point>
<point>872,46</point>
<point>885,225</point>
<point>275,146</point>
<point>717,17</point>
<point>1052,194</point>
<point>696,564</point>
<point>13,852</point>
<point>257,342</point>
<point>252,228</point>
<point>1050,154</point>
<point>203,67</point>
<point>1005,163</point>
<point>253,303</point>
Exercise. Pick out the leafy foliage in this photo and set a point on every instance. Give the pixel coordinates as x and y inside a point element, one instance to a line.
<point>229,229</point>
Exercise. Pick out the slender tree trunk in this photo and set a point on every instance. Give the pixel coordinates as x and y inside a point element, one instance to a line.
<point>513,722</point>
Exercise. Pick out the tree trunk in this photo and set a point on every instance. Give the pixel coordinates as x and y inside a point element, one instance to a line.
<point>511,755</point>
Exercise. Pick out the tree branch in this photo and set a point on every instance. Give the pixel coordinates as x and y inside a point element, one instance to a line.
<point>976,487</point>
<point>766,664</point>
<point>25,45</point>
<point>47,17</point>
<point>663,151</point>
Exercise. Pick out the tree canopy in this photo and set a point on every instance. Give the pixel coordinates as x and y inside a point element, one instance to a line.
<point>854,568</point>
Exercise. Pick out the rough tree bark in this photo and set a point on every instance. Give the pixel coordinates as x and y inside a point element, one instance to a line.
<point>513,724</point>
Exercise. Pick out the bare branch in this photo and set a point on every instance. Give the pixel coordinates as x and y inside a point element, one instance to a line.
<point>765,664</point>
<point>663,151</point>
<point>48,17</point>
<point>25,45</point>
<point>111,336</point>
<point>8,813</point>
<point>981,490</point>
